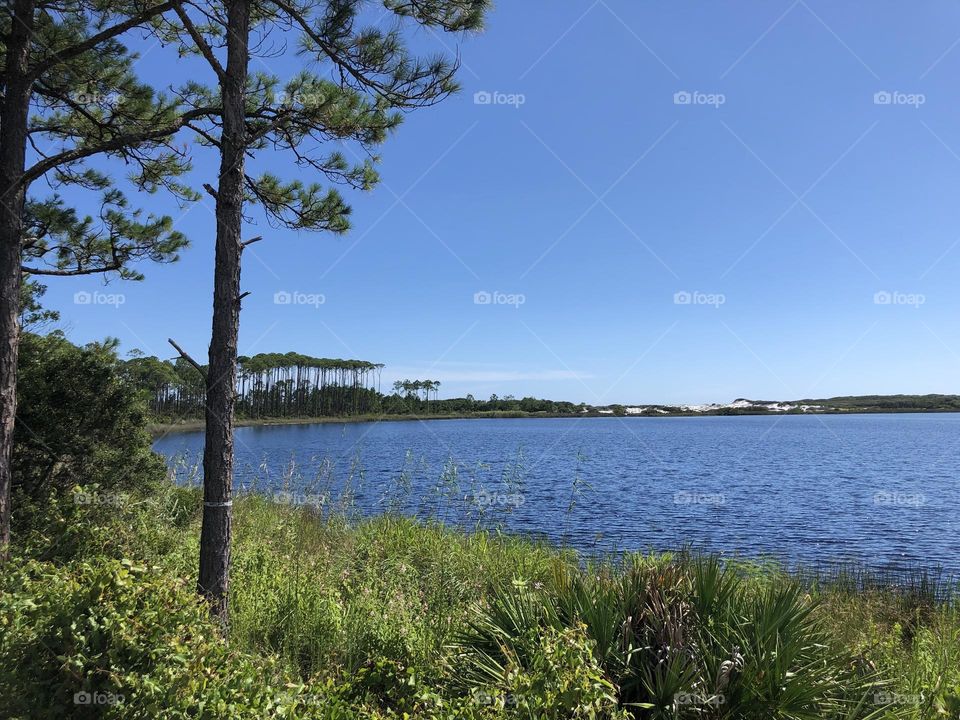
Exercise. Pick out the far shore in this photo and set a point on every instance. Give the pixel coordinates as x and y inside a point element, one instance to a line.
<point>194,425</point>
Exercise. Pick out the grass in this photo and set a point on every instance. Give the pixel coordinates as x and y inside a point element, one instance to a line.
<point>338,617</point>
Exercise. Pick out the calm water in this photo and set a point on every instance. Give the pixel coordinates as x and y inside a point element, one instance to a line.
<point>877,489</point>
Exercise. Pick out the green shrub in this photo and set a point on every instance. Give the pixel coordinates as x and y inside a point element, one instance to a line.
<point>78,422</point>
<point>89,522</point>
<point>116,640</point>
<point>687,640</point>
<point>560,678</point>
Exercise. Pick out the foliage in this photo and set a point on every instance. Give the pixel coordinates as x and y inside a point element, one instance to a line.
<point>33,315</point>
<point>86,101</point>
<point>551,673</point>
<point>78,420</point>
<point>118,640</point>
<point>386,617</point>
<point>679,641</point>
<point>389,616</point>
<point>60,242</point>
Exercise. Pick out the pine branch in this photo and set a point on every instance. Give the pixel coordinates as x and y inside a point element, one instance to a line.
<point>119,142</point>
<point>67,54</point>
<point>110,267</point>
<point>202,45</point>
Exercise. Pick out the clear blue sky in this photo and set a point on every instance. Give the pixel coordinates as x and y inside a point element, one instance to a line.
<point>784,189</point>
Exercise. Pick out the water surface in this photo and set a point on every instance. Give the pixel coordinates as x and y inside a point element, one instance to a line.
<point>880,490</point>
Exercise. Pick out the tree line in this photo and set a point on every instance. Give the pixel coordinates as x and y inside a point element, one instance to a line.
<point>292,385</point>
<point>275,385</point>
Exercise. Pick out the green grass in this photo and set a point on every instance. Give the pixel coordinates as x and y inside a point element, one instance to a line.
<point>335,617</point>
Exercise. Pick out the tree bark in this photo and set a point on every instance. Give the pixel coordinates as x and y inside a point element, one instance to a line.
<point>13,143</point>
<point>215,533</point>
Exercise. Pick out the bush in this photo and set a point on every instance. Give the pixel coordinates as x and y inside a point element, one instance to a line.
<point>550,674</point>
<point>78,421</point>
<point>116,640</point>
<point>680,640</point>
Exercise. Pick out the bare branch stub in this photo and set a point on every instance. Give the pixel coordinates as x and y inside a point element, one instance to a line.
<point>183,353</point>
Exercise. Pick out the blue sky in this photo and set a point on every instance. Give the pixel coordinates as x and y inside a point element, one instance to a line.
<point>673,203</point>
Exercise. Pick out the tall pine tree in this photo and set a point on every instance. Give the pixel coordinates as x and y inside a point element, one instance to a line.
<point>360,81</point>
<point>68,82</point>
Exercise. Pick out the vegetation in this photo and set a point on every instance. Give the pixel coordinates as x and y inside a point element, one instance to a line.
<point>336,616</point>
<point>91,428</point>
<point>890,403</point>
<point>68,86</point>
<point>268,385</point>
<point>356,81</point>
<point>291,385</point>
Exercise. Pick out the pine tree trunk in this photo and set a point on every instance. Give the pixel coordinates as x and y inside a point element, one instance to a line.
<point>13,143</point>
<point>222,371</point>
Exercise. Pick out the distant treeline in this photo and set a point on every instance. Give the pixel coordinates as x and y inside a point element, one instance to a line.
<point>291,385</point>
<point>268,385</point>
<point>890,403</point>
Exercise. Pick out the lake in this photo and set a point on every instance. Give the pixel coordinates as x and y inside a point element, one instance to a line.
<point>880,490</point>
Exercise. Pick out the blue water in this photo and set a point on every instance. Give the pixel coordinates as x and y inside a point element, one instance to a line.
<point>880,490</point>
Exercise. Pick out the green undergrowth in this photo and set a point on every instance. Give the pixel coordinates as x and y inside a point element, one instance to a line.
<point>339,617</point>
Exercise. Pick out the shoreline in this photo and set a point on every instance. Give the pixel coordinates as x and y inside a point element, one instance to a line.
<point>196,425</point>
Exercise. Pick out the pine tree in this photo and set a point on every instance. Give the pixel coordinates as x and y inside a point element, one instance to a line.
<point>66,78</point>
<point>363,79</point>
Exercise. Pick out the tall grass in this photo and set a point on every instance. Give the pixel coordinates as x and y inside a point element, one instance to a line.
<point>396,609</point>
